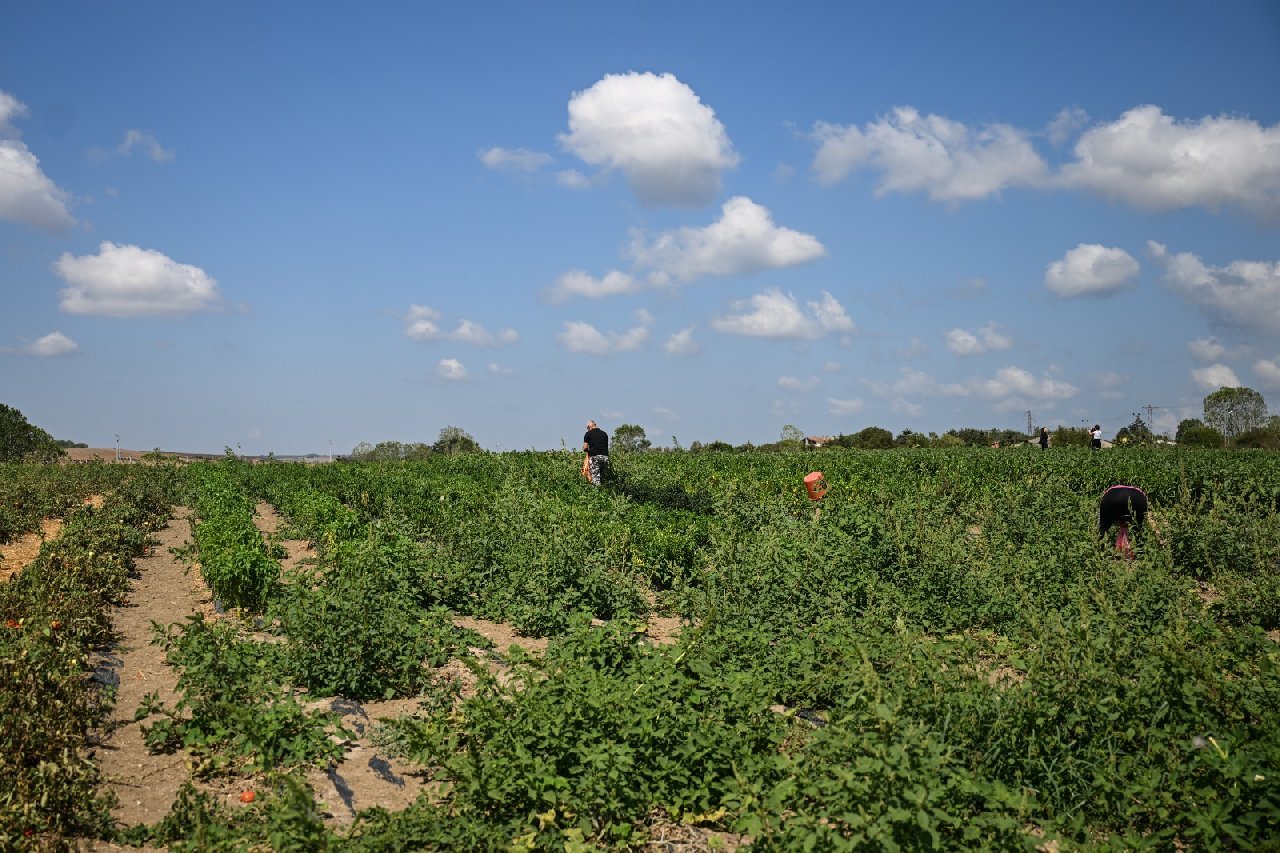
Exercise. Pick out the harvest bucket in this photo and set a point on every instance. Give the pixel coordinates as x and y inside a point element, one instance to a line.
<point>815,485</point>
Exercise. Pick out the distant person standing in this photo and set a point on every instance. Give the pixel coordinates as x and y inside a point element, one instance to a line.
<point>1095,438</point>
<point>596,444</point>
<point>1044,438</point>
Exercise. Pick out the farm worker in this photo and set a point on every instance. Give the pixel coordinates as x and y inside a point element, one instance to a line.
<point>1095,438</point>
<point>1124,507</point>
<point>596,445</point>
<point>1044,438</point>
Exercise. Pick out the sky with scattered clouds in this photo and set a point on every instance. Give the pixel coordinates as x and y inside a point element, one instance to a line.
<point>291,227</point>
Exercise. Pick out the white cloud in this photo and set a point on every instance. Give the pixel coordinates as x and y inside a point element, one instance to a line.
<point>579,283</point>
<point>54,343</point>
<point>988,339</point>
<point>906,408</point>
<point>1019,383</point>
<point>583,337</point>
<point>451,369</point>
<point>498,370</point>
<point>10,109</point>
<point>1090,270</point>
<point>1243,295</point>
<point>929,153</point>
<point>514,159</point>
<point>774,314</point>
<point>656,131</point>
<point>147,142</point>
<point>791,383</point>
<point>681,343</point>
<point>665,413</point>
<point>744,240</point>
<point>1147,159</point>
<point>128,281</point>
<point>1065,124</point>
<point>27,196</point>
<point>586,338</point>
<point>1206,349</point>
<point>916,383</point>
<point>422,323</point>
<point>1215,376</point>
<point>1268,370</point>
<point>573,179</point>
<point>844,408</point>
<point>832,367</point>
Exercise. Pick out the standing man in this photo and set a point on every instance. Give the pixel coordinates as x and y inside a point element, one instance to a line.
<point>596,445</point>
<point>1044,438</point>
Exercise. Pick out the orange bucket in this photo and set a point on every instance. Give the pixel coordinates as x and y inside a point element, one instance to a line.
<point>815,485</point>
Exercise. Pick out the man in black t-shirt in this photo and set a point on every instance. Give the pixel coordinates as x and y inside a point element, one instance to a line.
<point>596,445</point>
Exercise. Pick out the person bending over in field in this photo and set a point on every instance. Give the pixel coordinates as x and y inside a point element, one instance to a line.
<point>596,444</point>
<point>1124,508</point>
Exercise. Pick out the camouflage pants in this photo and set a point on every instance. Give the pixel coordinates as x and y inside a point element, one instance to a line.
<point>598,465</point>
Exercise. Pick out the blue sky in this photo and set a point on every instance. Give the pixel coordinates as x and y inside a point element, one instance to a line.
<point>276,226</point>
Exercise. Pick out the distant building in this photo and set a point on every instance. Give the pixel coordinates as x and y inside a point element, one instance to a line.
<point>819,440</point>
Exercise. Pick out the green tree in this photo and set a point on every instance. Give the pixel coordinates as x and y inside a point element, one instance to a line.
<point>1135,433</point>
<point>1065,436</point>
<point>872,438</point>
<point>791,434</point>
<point>1265,437</point>
<point>1193,432</point>
<point>630,438</point>
<point>20,440</point>
<point>454,440</point>
<point>1232,411</point>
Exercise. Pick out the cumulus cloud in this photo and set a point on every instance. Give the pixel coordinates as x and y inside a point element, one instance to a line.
<point>52,344</point>
<point>774,314</point>
<point>586,338</point>
<point>498,370</point>
<point>987,339</point>
<point>147,143</point>
<point>744,240</point>
<point>1150,160</point>
<point>1215,376</point>
<point>129,281</point>
<point>27,196</point>
<point>1018,383</point>
<point>422,323</point>
<point>1268,370</point>
<point>579,283</point>
<point>844,408</point>
<point>1243,296</point>
<point>929,153</point>
<point>11,108</point>
<point>1065,124</point>
<point>916,383</point>
<point>514,159</point>
<point>1206,349</point>
<point>655,131</point>
<point>792,383</point>
<point>681,343</point>
<point>573,179</point>
<point>451,369</point>
<point>1090,270</point>
<point>914,348</point>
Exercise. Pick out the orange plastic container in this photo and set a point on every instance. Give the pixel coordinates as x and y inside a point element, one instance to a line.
<point>815,485</point>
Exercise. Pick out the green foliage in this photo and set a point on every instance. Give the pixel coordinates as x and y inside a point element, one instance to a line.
<point>1192,432</point>
<point>236,708</point>
<point>1136,433</point>
<point>234,559</point>
<point>454,440</point>
<point>21,440</point>
<point>629,438</point>
<point>1233,411</point>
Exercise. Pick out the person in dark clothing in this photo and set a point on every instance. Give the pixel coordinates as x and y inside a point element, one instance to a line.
<point>1095,438</point>
<point>1044,438</point>
<point>1124,507</point>
<point>596,445</point>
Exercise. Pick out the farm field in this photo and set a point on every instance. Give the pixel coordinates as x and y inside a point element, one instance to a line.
<point>484,652</point>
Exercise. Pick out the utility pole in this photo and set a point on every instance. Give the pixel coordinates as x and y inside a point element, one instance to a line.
<point>1029,422</point>
<point>117,447</point>
<point>331,450</point>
